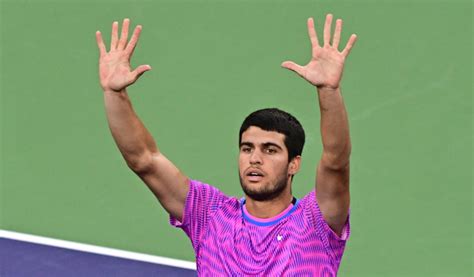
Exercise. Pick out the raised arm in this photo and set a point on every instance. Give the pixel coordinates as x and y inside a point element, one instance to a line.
<point>324,71</point>
<point>134,141</point>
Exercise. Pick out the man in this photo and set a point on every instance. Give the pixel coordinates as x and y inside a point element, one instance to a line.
<point>268,232</point>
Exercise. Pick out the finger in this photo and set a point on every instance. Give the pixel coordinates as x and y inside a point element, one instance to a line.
<point>312,33</point>
<point>139,71</point>
<point>349,45</point>
<point>113,41</point>
<point>100,43</point>
<point>300,70</point>
<point>337,34</point>
<point>133,40</point>
<point>327,29</point>
<point>124,35</point>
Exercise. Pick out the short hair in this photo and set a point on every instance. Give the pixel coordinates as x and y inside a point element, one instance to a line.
<point>273,119</point>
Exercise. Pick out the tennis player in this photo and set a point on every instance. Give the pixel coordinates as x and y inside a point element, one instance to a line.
<point>268,232</point>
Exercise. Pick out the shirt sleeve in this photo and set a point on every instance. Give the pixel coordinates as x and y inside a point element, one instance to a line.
<point>201,202</point>
<point>332,241</point>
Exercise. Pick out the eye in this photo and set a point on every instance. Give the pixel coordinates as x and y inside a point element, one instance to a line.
<point>245,149</point>
<point>270,150</point>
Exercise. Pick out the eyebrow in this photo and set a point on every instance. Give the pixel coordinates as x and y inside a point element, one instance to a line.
<point>265,144</point>
<point>268,144</point>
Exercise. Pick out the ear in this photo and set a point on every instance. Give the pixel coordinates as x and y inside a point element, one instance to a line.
<point>294,165</point>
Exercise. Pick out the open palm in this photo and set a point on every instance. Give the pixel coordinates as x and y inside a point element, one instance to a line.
<point>115,72</point>
<point>327,62</point>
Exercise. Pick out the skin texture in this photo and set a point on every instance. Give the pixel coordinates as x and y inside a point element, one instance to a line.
<point>266,152</point>
<point>324,71</point>
<point>163,178</point>
<point>170,185</point>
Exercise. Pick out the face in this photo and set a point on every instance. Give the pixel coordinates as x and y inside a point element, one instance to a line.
<point>263,164</point>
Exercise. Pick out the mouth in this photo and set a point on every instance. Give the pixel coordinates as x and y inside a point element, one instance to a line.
<point>254,175</point>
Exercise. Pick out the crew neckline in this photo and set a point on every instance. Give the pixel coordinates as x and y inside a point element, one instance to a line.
<point>268,221</point>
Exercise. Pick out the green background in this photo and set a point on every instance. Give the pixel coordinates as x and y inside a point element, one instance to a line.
<point>407,87</point>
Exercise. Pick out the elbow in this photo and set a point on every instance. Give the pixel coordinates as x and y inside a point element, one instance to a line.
<point>337,160</point>
<point>140,164</point>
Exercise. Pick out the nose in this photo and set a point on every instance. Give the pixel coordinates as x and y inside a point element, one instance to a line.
<point>255,157</point>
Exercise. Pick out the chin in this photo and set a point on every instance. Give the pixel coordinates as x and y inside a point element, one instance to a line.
<point>261,191</point>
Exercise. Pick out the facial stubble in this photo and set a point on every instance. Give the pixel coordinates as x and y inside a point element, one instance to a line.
<point>267,191</point>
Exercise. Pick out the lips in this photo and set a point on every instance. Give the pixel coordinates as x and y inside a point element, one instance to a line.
<point>254,175</point>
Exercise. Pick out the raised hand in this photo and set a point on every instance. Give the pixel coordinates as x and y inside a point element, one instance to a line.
<point>114,66</point>
<point>327,62</point>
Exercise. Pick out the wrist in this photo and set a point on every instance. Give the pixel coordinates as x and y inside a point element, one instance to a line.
<point>111,91</point>
<point>327,89</point>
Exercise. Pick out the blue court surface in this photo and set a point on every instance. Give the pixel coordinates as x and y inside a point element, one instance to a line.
<point>23,258</point>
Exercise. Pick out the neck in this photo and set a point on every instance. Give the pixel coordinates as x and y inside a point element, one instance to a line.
<point>271,208</point>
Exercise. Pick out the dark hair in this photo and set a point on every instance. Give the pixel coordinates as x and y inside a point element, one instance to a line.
<point>273,119</point>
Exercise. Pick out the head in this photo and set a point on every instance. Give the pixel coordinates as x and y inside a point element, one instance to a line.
<point>271,142</point>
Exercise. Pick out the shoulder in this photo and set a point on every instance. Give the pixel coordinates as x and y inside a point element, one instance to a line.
<point>309,201</point>
<point>310,209</point>
<point>210,195</point>
<point>313,214</point>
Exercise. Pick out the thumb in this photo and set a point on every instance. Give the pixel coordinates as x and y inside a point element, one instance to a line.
<point>300,70</point>
<point>139,71</point>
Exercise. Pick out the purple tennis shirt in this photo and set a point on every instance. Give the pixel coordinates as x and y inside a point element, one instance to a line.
<point>228,241</point>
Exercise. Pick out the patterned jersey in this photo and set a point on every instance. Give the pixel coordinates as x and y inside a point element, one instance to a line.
<point>228,241</point>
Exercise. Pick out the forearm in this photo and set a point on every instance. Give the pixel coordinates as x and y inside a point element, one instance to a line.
<point>132,138</point>
<point>334,128</point>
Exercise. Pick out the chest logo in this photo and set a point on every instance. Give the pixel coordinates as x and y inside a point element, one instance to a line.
<point>279,237</point>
